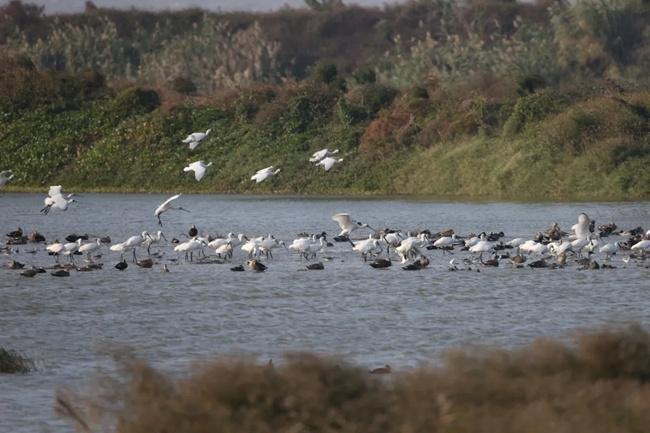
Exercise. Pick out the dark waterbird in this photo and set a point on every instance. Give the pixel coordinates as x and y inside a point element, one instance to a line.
<point>60,273</point>
<point>193,231</point>
<point>15,265</point>
<point>315,266</point>
<point>30,273</point>
<point>421,263</point>
<point>257,266</point>
<point>121,265</point>
<point>74,237</point>
<point>381,370</point>
<point>16,233</point>
<point>145,263</point>
<point>36,237</point>
<point>541,263</point>
<point>380,263</point>
<point>238,268</point>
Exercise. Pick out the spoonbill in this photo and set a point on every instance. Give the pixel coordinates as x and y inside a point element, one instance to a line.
<point>134,242</point>
<point>367,247</point>
<point>90,248</point>
<point>70,248</point>
<point>55,249</point>
<point>347,224</point>
<point>317,156</point>
<point>199,168</point>
<point>195,138</point>
<point>56,200</point>
<point>581,229</point>
<point>264,174</point>
<point>268,244</point>
<point>167,205</point>
<point>445,243</point>
<point>609,249</point>
<point>481,247</point>
<point>189,247</point>
<point>329,162</point>
<point>5,177</point>
<point>151,240</point>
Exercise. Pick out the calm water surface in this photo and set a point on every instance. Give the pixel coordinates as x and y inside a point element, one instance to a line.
<point>369,316</point>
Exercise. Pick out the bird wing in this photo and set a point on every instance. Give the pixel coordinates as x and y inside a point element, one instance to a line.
<point>166,203</point>
<point>199,171</point>
<point>343,219</point>
<point>317,156</point>
<point>328,163</point>
<point>59,202</point>
<point>270,168</point>
<point>5,173</point>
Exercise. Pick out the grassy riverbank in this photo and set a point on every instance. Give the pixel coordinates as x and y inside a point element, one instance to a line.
<point>596,383</point>
<point>473,110</point>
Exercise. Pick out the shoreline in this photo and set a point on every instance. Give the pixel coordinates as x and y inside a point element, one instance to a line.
<point>342,195</point>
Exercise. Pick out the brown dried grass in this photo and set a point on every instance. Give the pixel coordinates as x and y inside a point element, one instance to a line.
<point>598,382</point>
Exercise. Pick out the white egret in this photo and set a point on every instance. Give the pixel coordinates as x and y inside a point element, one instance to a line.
<point>120,248</point>
<point>347,224</point>
<point>367,246</point>
<point>134,242</point>
<point>445,242</point>
<point>56,200</point>
<point>268,244</point>
<point>329,162</point>
<point>609,249</point>
<point>481,247</point>
<point>90,248</point>
<point>5,177</point>
<point>643,245</point>
<point>151,240</point>
<point>581,229</point>
<point>317,156</point>
<point>308,246</point>
<point>70,248</point>
<point>199,168</point>
<point>189,247</point>
<point>195,138</point>
<point>55,249</point>
<point>410,247</point>
<point>224,250</point>
<point>167,205</point>
<point>264,174</point>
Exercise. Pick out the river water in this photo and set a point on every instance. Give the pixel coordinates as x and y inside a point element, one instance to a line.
<point>368,316</point>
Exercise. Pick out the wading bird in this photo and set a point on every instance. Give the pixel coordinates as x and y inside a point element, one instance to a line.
<point>195,138</point>
<point>199,168</point>
<point>167,205</point>
<point>90,248</point>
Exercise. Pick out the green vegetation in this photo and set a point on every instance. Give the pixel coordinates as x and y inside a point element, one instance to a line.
<point>12,362</point>
<point>484,99</point>
<point>599,382</point>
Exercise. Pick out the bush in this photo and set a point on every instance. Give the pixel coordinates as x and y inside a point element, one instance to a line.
<point>325,72</point>
<point>532,108</point>
<point>599,382</point>
<point>135,100</point>
<point>183,85</point>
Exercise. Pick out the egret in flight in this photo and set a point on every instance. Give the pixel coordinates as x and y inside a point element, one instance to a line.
<point>195,138</point>
<point>264,173</point>
<point>199,168</point>
<point>317,156</point>
<point>56,200</point>
<point>329,162</point>
<point>5,177</point>
<point>347,224</point>
<point>167,205</point>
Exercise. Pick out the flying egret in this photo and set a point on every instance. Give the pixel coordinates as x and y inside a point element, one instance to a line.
<point>264,174</point>
<point>347,224</point>
<point>329,162</point>
<point>56,200</point>
<point>199,168</point>
<point>317,156</point>
<point>167,205</point>
<point>5,177</point>
<point>195,138</point>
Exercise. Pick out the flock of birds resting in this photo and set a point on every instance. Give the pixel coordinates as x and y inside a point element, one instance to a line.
<point>552,248</point>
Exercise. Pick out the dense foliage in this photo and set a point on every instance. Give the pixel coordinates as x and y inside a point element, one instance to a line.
<point>485,98</point>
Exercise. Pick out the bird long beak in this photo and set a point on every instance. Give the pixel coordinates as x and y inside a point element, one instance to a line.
<point>184,210</point>
<point>162,235</point>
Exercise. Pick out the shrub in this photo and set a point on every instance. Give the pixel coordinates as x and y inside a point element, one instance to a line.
<point>135,100</point>
<point>325,72</point>
<point>183,85</point>
<point>532,108</point>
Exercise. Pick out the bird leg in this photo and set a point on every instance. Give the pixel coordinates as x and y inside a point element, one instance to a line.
<point>159,221</point>
<point>134,257</point>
